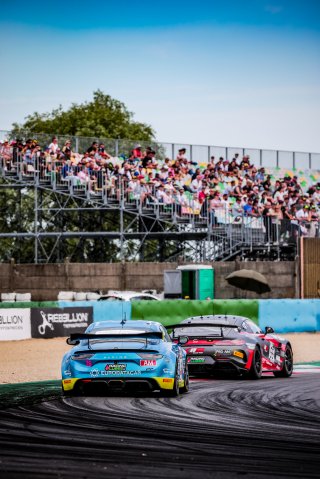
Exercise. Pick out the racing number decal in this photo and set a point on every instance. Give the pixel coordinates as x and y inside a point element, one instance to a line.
<point>272,351</point>
<point>180,366</point>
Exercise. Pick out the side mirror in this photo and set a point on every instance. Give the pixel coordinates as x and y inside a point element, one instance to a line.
<point>73,342</point>
<point>268,330</point>
<point>183,339</point>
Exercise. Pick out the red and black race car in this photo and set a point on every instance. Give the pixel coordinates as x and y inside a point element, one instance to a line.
<point>232,344</point>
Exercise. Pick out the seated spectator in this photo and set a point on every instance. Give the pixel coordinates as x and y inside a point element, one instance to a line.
<point>134,188</point>
<point>6,153</point>
<point>167,196</point>
<point>232,165</point>
<point>237,210</point>
<point>164,173</point>
<point>94,147</point>
<point>225,165</point>
<point>247,207</point>
<point>196,184</point>
<point>149,157</point>
<point>180,199</point>
<point>160,193</point>
<point>182,154</point>
<point>216,208</point>
<point>245,164</point>
<point>236,159</point>
<point>136,153</point>
<point>102,154</point>
<point>66,150</point>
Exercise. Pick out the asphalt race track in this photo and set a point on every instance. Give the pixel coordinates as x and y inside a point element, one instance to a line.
<point>220,429</point>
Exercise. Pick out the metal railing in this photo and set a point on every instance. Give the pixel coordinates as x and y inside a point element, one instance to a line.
<point>197,153</point>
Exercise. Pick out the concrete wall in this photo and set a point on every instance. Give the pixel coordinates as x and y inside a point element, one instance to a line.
<point>45,281</point>
<point>282,277</point>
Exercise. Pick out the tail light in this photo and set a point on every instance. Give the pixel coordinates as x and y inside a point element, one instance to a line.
<point>150,356</point>
<point>82,356</point>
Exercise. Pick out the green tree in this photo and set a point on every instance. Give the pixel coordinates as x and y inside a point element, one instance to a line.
<point>103,117</point>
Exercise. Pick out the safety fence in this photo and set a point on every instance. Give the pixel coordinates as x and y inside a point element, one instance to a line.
<point>60,318</point>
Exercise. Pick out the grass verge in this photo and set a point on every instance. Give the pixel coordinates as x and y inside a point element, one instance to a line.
<point>12,395</point>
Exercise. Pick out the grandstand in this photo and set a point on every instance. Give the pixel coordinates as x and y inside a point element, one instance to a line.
<point>151,206</point>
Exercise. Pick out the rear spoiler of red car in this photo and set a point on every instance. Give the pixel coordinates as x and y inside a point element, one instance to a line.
<point>75,338</point>
<point>202,325</point>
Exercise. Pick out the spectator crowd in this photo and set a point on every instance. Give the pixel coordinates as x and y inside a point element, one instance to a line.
<point>224,190</point>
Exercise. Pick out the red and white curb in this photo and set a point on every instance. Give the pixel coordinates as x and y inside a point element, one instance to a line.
<point>306,368</point>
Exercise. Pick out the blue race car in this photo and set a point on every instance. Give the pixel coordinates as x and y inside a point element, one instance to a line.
<point>121,355</point>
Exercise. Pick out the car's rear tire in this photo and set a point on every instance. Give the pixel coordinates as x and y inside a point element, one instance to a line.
<point>287,368</point>
<point>67,393</point>
<point>176,390</point>
<point>185,387</point>
<point>256,366</point>
<point>76,391</point>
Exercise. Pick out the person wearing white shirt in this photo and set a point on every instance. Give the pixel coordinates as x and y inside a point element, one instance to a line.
<point>196,184</point>
<point>160,193</point>
<point>237,209</point>
<point>53,147</point>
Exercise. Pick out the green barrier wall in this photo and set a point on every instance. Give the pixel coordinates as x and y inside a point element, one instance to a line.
<point>241,307</point>
<point>30,304</point>
<point>175,311</point>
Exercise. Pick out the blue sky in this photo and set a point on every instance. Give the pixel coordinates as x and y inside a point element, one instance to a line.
<point>232,72</point>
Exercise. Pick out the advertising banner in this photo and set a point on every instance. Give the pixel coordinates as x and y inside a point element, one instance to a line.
<point>56,322</point>
<point>14,324</point>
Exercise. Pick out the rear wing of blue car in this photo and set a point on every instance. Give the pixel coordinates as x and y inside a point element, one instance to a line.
<point>75,338</point>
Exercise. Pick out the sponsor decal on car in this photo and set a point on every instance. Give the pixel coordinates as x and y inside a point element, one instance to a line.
<point>116,367</point>
<point>220,352</point>
<point>96,373</point>
<point>148,362</point>
<point>267,363</point>
<point>196,360</point>
<point>195,350</point>
<point>272,351</point>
